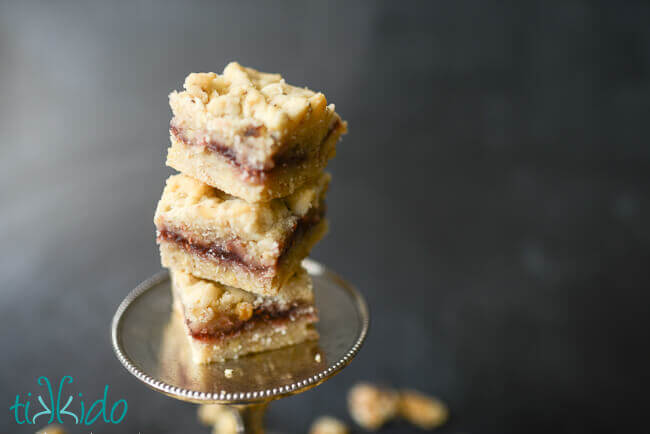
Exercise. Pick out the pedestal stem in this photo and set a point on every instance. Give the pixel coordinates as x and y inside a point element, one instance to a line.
<point>250,418</point>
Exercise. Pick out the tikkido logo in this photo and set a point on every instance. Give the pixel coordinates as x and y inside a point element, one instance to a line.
<point>23,410</point>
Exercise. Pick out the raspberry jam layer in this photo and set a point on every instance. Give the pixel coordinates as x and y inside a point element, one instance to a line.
<point>293,156</point>
<point>227,252</point>
<point>262,315</point>
<point>233,251</point>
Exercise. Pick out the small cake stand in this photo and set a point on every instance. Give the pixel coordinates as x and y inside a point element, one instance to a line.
<point>149,339</point>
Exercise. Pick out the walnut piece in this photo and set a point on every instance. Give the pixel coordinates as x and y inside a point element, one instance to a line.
<point>371,406</point>
<point>328,425</point>
<point>244,310</point>
<point>423,411</point>
<point>51,429</point>
<point>221,418</point>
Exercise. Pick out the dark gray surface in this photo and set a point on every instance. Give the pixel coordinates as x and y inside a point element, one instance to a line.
<point>491,199</point>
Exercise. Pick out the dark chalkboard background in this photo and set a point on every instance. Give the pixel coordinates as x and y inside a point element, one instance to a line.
<point>491,199</point>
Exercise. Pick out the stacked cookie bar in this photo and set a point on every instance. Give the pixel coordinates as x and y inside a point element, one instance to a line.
<point>246,209</point>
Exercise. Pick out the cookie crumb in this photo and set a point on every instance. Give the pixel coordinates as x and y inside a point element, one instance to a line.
<point>52,429</point>
<point>328,425</point>
<point>421,410</point>
<point>371,406</point>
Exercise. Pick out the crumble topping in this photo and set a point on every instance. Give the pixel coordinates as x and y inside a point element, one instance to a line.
<point>217,215</point>
<point>210,307</point>
<point>256,114</point>
<point>266,100</point>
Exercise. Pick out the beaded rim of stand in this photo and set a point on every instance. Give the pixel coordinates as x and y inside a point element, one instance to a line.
<point>314,268</point>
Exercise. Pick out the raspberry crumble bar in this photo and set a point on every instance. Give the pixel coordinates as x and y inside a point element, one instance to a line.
<point>223,322</point>
<point>252,246</point>
<point>250,134</point>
